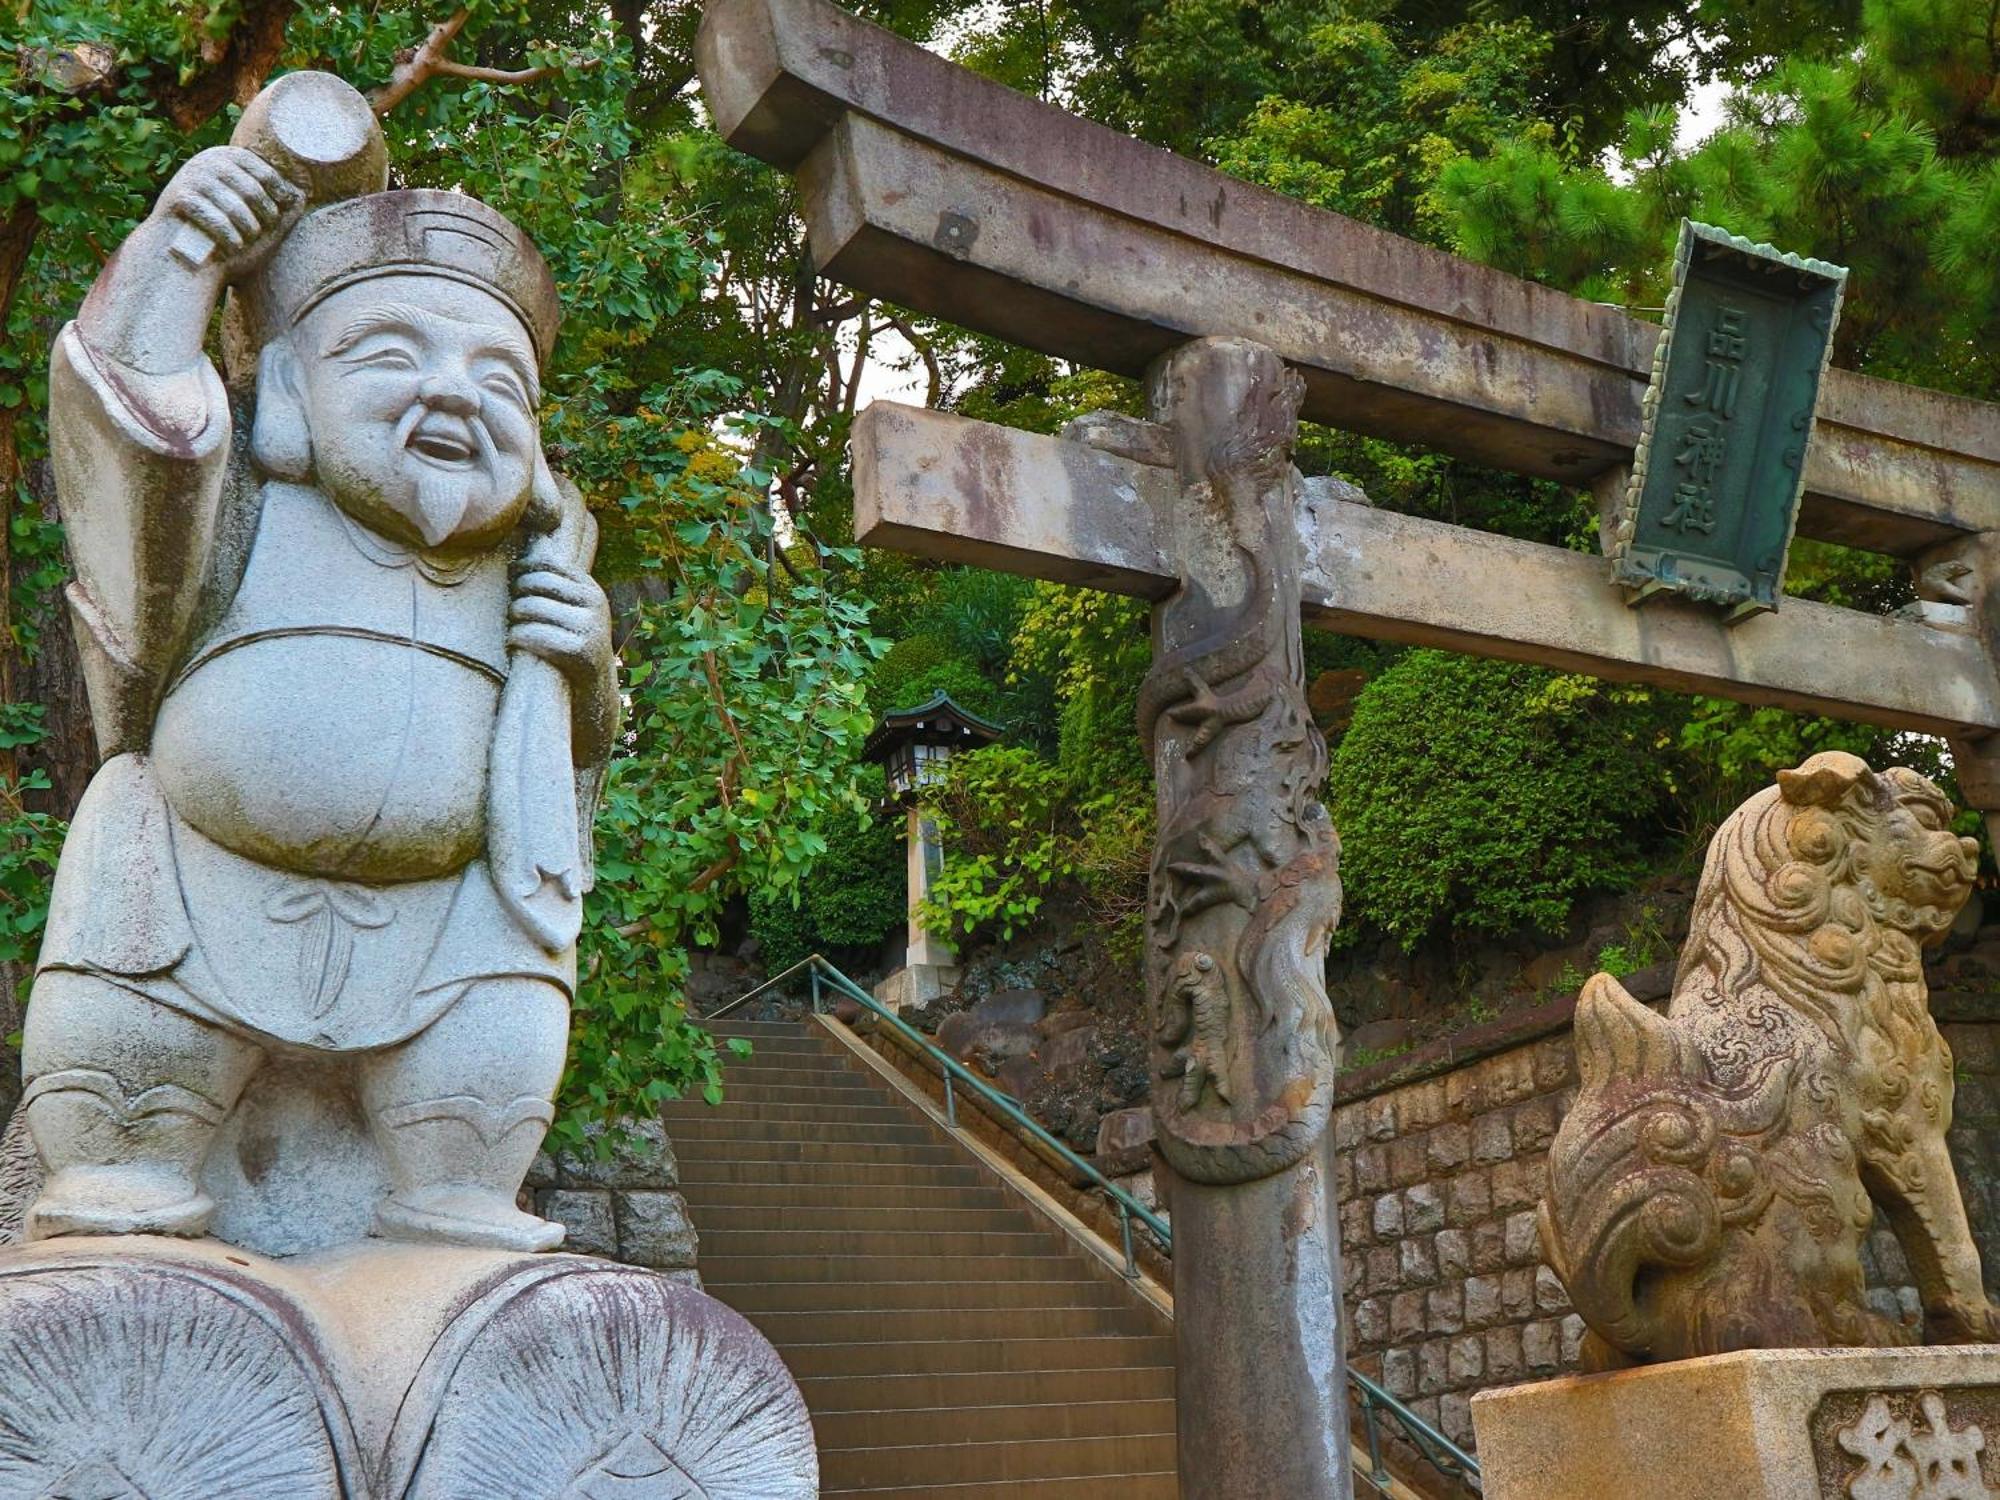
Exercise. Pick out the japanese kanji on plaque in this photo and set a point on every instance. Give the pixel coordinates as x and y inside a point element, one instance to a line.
<point>1720,464</point>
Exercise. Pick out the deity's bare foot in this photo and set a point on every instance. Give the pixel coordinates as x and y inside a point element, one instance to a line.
<point>123,1099</point>
<point>460,1110</point>
<point>457,1215</point>
<point>119,1200</point>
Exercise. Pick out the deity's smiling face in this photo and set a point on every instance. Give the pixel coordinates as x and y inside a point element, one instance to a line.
<point>420,395</point>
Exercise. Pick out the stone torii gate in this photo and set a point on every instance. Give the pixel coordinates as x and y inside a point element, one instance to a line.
<point>925,184</point>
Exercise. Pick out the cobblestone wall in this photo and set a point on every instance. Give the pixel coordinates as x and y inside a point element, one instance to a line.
<point>1438,1181</point>
<point>627,1207</point>
<point>1439,1173</point>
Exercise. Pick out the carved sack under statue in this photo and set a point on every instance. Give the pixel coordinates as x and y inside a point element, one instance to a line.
<point>1711,1187</point>
<point>303,999</point>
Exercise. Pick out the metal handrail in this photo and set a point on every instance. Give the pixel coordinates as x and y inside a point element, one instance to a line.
<point>810,961</point>
<point>1129,1208</point>
<point>1439,1451</point>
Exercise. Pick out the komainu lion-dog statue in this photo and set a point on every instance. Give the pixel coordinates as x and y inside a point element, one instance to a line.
<point>1712,1186</point>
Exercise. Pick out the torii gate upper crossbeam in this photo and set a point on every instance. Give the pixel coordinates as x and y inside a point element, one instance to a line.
<point>926,184</point>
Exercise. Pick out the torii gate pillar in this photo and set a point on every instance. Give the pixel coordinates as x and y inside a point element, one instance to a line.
<point>1244,892</point>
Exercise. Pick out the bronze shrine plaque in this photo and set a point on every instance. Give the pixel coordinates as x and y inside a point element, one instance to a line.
<point>1720,465</point>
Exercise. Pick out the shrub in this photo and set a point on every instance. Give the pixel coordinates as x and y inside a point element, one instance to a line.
<point>916,669</point>
<point>857,896</point>
<point>1484,796</point>
<point>1004,822</point>
<point>1014,829</point>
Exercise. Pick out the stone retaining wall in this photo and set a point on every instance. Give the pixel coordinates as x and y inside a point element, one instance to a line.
<point>626,1207</point>
<point>1441,1162</point>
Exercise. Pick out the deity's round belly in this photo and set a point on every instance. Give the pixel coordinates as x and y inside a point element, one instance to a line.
<point>336,756</point>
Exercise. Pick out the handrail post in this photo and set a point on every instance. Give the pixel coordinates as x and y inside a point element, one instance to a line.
<point>1125,1232</point>
<point>950,1103</point>
<point>1378,1475</point>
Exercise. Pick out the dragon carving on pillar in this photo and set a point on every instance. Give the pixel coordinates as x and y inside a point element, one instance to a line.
<point>1245,885</point>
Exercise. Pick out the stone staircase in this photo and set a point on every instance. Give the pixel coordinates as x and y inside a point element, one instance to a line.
<point>951,1343</point>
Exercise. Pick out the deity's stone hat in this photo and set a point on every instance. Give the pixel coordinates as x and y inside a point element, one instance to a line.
<point>411,232</point>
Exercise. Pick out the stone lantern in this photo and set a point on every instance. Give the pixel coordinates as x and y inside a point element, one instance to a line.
<point>913,746</point>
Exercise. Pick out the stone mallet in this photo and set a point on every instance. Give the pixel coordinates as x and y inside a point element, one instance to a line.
<point>319,132</point>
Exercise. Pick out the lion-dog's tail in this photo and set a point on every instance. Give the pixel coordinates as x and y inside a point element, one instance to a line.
<point>1648,1170</point>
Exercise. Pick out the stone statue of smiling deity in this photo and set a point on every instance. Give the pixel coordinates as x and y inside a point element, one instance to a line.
<point>303,1000</point>
<point>352,683</point>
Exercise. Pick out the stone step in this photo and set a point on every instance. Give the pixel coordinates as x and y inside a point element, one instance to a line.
<point>1162,1485</point>
<point>984,1388</point>
<point>975,1462</point>
<point>741,1130</point>
<point>994,1424</point>
<point>788,1176</point>
<point>788,1266</point>
<point>732,1111</point>
<point>950,1344</point>
<point>925,1218</point>
<point>788,1035</point>
<point>736,1097</point>
<point>757,1299</point>
<point>833,1092</point>
<point>999,1243</point>
<point>862,1325</point>
<point>839,1154</point>
<point>815,1194</point>
<point>775,1060</point>
<point>964,1356</point>
<point>799,1088</point>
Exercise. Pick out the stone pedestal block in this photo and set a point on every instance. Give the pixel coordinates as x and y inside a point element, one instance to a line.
<point>916,984</point>
<point>1768,1424</point>
<point>139,1366</point>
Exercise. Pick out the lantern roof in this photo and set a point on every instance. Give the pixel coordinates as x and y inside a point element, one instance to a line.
<point>937,721</point>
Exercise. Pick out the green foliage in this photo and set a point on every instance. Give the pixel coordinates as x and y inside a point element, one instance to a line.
<point>1382,119</point>
<point>746,713</point>
<point>29,841</point>
<point>1884,157</point>
<point>1018,827</point>
<point>1484,797</point>
<point>1616,960</point>
<point>1185,72</point>
<point>1002,818</point>
<point>858,894</point>
<point>919,666</point>
<point>1728,751</point>
<point>1093,649</point>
